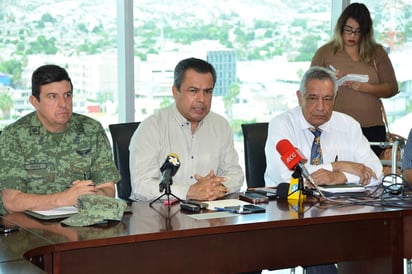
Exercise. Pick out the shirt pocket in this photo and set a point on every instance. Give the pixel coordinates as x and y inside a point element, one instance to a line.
<point>80,165</point>
<point>38,175</point>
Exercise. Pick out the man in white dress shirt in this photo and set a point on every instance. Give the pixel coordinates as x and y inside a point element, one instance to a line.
<point>202,139</point>
<point>347,155</point>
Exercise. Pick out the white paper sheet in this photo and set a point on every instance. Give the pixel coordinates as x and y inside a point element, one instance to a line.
<point>363,78</point>
<point>54,213</point>
<point>224,203</point>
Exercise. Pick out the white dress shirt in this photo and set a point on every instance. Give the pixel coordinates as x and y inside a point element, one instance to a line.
<point>210,147</point>
<point>341,140</point>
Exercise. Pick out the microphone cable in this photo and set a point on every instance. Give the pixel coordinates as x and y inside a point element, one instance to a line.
<point>393,195</point>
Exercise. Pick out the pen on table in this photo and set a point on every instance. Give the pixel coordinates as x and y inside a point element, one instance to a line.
<point>332,68</point>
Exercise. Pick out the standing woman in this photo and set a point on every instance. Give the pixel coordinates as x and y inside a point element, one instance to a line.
<point>353,49</point>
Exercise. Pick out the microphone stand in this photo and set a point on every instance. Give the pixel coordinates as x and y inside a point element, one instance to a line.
<point>167,193</point>
<point>297,174</point>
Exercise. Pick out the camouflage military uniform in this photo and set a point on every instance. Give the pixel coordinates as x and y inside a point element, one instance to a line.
<point>33,160</point>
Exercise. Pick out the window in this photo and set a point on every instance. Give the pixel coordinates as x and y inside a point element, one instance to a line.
<point>259,57</point>
<point>78,35</point>
<point>259,48</point>
<point>392,21</point>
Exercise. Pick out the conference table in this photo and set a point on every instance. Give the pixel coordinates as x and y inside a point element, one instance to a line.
<point>161,239</point>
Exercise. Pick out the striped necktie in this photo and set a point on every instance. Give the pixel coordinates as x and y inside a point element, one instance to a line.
<point>316,152</point>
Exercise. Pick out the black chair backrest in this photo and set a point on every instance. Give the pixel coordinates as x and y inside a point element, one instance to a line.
<point>121,134</point>
<point>254,140</point>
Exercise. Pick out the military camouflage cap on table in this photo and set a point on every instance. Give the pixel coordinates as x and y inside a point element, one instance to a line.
<point>95,209</point>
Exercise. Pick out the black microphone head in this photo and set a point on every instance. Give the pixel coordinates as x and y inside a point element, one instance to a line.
<point>282,190</point>
<point>172,162</point>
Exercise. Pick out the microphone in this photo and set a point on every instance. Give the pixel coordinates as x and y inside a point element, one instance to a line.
<point>282,190</point>
<point>169,169</point>
<point>294,160</point>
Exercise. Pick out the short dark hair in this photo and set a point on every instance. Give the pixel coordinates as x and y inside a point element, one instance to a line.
<point>199,65</point>
<point>47,74</point>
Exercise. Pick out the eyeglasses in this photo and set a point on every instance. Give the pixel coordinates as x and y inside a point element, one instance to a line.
<point>349,31</point>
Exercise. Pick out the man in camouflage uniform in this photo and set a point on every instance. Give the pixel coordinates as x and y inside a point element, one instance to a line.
<point>51,156</point>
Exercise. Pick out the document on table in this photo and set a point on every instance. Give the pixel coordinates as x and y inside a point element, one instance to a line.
<point>363,78</point>
<point>54,213</point>
<point>343,188</point>
<point>224,203</point>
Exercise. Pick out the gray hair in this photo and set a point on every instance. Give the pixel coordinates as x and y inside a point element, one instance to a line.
<point>319,73</point>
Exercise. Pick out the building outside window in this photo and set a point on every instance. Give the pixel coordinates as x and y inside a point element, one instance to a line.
<point>260,50</point>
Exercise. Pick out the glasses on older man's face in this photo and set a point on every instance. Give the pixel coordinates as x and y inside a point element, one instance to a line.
<point>349,31</point>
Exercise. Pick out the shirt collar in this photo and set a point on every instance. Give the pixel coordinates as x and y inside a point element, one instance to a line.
<point>181,119</point>
<point>303,124</point>
<point>35,124</point>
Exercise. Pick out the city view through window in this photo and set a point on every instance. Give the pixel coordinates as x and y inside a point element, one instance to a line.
<point>260,50</point>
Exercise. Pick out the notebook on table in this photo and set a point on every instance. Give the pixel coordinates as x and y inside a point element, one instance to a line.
<point>350,189</point>
<point>54,213</point>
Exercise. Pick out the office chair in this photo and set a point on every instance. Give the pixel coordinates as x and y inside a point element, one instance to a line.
<point>121,134</point>
<point>254,139</point>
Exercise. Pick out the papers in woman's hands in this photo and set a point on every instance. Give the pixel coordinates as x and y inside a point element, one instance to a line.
<point>363,78</point>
